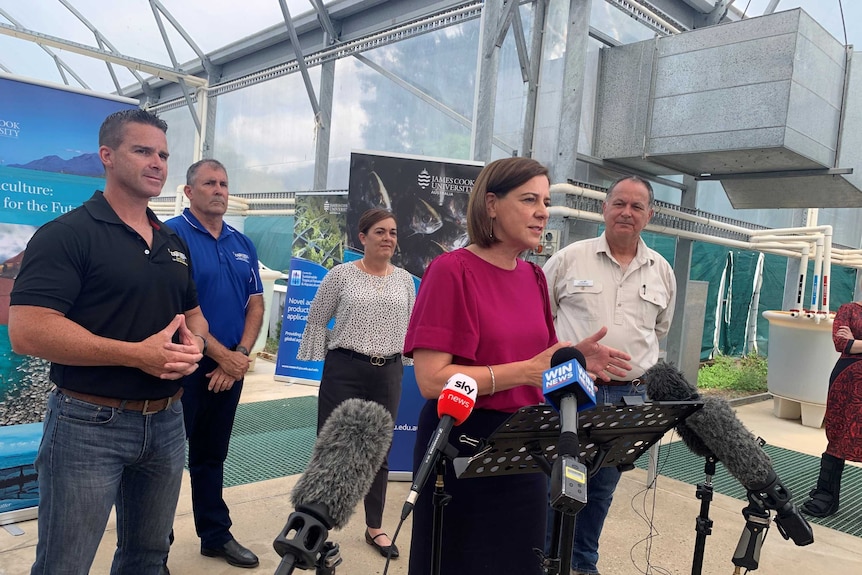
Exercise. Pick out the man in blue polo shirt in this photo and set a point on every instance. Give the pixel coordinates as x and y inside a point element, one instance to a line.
<point>225,270</point>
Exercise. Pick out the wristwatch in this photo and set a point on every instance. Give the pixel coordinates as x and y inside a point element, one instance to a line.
<point>243,350</point>
<point>203,339</point>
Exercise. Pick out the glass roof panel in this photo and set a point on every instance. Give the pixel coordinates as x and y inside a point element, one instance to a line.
<point>130,26</point>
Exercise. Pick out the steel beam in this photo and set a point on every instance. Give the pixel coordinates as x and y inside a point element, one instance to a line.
<point>300,59</point>
<point>84,50</point>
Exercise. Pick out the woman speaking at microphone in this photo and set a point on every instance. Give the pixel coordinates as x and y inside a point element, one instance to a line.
<point>371,301</point>
<point>484,312</point>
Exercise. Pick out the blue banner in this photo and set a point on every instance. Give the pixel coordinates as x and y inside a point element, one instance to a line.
<point>305,278</point>
<point>49,165</point>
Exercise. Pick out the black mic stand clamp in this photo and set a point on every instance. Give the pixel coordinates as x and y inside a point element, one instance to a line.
<point>303,542</point>
<point>757,517</point>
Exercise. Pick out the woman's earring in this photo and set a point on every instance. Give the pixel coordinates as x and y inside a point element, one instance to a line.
<point>491,235</point>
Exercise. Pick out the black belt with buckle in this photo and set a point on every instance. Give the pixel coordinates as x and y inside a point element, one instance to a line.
<point>145,406</point>
<point>377,360</point>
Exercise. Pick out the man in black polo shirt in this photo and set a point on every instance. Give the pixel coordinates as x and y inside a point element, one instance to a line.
<point>105,293</point>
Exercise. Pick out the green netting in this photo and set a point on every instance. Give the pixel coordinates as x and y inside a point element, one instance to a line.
<point>271,439</point>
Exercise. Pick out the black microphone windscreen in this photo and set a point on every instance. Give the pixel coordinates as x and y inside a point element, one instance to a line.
<point>664,382</point>
<point>565,354</point>
<point>348,452</point>
<point>736,447</point>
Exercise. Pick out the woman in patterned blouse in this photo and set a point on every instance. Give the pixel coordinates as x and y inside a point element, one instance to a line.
<point>371,301</point>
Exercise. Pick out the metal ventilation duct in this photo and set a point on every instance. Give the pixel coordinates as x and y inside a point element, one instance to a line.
<point>765,105</point>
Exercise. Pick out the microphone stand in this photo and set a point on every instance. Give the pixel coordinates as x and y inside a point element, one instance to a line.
<point>607,435</point>
<point>439,500</point>
<point>704,523</point>
<point>568,492</point>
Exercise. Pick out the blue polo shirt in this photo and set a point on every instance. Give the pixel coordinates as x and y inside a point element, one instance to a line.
<point>225,271</point>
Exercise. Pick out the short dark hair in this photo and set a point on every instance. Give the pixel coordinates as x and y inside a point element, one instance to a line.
<point>371,217</point>
<point>499,177</point>
<point>111,132</point>
<point>637,179</point>
<point>193,169</point>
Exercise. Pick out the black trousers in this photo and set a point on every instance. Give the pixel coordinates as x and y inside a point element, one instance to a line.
<point>209,421</point>
<point>344,378</point>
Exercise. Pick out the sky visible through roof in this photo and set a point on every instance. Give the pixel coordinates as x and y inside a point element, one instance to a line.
<point>129,25</point>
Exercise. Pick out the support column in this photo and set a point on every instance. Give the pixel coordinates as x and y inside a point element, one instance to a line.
<point>577,38</point>
<point>323,125</point>
<point>485,102</point>
<point>540,13</point>
<point>675,343</point>
<point>208,124</point>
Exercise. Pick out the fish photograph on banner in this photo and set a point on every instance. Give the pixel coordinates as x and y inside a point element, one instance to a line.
<point>427,195</point>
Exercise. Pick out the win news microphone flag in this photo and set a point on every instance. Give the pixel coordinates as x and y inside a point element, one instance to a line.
<point>454,405</point>
<point>568,376</point>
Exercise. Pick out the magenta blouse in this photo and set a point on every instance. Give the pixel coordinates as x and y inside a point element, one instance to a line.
<point>483,315</point>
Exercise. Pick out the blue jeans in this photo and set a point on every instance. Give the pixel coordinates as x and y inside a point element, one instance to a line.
<point>93,457</point>
<point>600,493</point>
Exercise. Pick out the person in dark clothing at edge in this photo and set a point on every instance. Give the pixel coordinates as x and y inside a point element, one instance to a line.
<point>105,293</point>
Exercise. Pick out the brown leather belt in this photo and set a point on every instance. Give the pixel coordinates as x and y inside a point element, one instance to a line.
<point>635,382</point>
<point>145,406</point>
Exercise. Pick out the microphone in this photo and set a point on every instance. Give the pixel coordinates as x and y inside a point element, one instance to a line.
<point>715,430</point>
<point>569,389</point>
<point>665,383</point>
<point>348,452</point>
<point>567,376</point>
<point>454,405</point>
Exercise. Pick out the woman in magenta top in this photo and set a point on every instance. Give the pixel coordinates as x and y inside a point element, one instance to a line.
<point>484,312</point>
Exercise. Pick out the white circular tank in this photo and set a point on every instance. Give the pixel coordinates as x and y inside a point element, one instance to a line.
<point>801,358</point>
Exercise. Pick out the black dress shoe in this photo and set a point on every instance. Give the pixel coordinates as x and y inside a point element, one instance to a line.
<point>234,553</point>
<point>385,550</point>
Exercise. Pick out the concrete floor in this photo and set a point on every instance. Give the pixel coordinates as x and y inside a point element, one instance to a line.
<point>629,545</point>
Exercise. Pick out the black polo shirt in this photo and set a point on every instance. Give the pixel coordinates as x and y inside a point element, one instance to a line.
<point>99,272</point>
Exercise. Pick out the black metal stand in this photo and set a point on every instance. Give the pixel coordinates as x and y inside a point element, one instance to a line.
<point>609,435</point>
<point>439,500</point>
<point>703,525</point>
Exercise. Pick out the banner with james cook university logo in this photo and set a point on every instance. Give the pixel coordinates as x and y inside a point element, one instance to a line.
<point>429,199</point>
<point>49,165</point>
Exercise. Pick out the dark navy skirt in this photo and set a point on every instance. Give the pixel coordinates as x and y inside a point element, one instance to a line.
<point>492,524</point>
